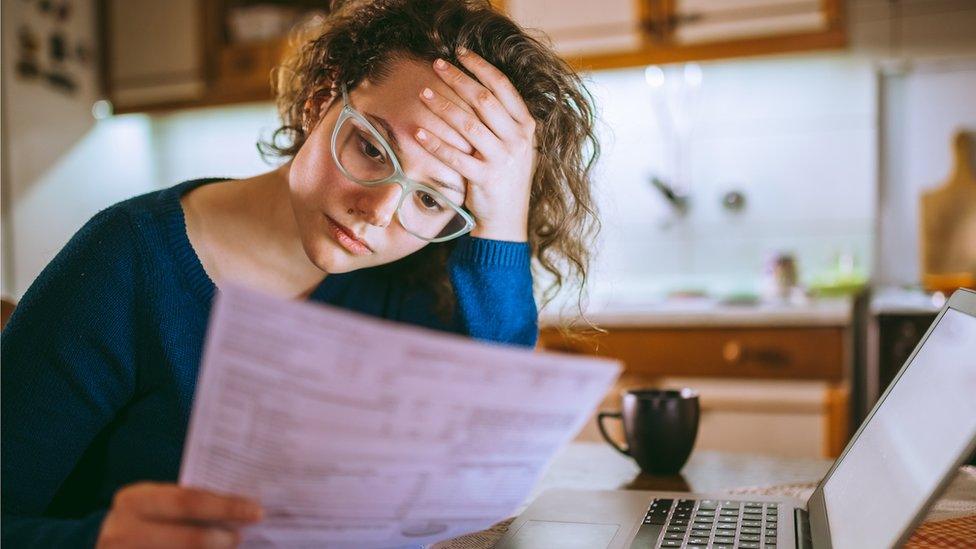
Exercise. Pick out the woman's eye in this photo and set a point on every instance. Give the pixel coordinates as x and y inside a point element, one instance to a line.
<point>371,150</point>
<point>429,201</point>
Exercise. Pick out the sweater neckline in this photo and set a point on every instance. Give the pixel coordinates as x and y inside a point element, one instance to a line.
<point>191,268</point>
<point>190,265</point>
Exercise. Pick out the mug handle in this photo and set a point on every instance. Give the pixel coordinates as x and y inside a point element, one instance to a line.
<point>603,431</point>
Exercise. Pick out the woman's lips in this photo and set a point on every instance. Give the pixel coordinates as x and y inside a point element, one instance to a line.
<point>345,238</point>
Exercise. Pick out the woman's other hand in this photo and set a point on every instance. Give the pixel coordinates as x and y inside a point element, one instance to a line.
<point>148,514</point>
<point>501,129</point>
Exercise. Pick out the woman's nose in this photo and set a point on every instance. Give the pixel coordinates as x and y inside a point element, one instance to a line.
<point>378,204</point>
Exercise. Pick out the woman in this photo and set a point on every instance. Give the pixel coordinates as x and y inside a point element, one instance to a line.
<point>432,151</point>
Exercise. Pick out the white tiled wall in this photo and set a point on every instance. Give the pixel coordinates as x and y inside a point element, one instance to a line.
<point>218,142</point>
<point>797,136</point>
<point>925,108</point>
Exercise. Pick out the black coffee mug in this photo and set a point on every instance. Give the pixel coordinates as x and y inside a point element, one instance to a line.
<point>660,426</point>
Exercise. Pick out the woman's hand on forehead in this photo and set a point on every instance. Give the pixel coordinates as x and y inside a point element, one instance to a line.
<point>499,126</point>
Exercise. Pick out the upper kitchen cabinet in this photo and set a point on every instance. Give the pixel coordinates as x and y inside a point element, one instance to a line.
<point>152,52</point>
<point>247,39</point>
<point>583,28</point>
<point>624,33</point>
<point>184,53</point>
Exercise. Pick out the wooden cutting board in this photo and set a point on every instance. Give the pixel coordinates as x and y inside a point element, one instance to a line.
<point>948,224</point>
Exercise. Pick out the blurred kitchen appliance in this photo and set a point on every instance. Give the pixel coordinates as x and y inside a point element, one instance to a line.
<point>895,320</point>
<point>947,231</point>
<point>889,325</point>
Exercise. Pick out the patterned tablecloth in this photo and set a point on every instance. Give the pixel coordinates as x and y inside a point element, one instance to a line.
<point>951,523</point>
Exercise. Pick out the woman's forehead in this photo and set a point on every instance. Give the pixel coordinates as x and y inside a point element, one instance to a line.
<point>398,93</point>
<point>395,102</point>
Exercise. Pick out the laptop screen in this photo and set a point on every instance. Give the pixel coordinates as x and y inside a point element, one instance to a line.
<point>912,441</point>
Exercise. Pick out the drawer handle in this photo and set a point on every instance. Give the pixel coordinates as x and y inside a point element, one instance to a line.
<point>735,353</point>
<point>732,352</point>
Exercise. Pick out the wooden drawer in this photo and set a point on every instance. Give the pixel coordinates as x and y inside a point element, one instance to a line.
<point>784,353</point>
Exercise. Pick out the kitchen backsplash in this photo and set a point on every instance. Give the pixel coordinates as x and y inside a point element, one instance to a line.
<point>796,137</point>
<point>212,142</point>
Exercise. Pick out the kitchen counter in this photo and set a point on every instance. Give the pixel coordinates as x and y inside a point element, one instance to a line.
<point>905,301</point>
<point>710,312</point>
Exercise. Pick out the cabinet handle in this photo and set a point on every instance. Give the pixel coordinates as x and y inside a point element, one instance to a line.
<point>770,357</point>
<point>732,352</point>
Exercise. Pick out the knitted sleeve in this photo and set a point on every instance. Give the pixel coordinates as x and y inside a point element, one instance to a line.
<point>68,368</point>
<point>492,282</point>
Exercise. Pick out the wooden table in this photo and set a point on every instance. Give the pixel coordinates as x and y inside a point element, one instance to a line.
<point>597,466</point>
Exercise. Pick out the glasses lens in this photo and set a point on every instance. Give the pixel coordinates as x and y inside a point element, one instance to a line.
<point>428,214</point>
<point>424,212</point>
<point>361,153</point>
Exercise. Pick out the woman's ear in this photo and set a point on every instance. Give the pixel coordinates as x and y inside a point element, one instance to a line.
<point>316,106</point>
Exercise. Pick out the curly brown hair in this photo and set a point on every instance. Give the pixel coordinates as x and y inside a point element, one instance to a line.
<point>358,40</point>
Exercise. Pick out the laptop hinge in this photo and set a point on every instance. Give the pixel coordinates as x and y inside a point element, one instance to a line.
<point>801,523</point>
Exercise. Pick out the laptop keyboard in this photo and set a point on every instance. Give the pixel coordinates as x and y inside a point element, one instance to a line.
<point>714,524</point>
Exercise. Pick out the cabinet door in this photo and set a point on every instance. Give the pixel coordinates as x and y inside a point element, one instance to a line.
<point>699,21</point>
<point>583,27</point>
<point>154,52</point>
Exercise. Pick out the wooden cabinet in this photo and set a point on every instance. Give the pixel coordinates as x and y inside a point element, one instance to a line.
<point>770,353</point>
<point>183,53</point>
<point>778,390</point>
<point>243,72</point>
<point>625,33</point>
<point>186,53</point>
<point>583,27</point>
<point>152,52</point>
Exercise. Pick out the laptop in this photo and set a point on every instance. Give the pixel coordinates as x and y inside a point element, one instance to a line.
<point>901,458</point>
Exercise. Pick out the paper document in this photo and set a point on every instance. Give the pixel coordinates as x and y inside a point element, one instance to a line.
<point>359,432</point>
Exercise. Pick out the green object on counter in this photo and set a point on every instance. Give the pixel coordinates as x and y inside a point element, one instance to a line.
<point>837,287</point>
<point>844,278</point>
<point>741,298</point>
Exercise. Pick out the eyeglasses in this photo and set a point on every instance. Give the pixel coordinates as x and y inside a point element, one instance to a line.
<point>364,156</point>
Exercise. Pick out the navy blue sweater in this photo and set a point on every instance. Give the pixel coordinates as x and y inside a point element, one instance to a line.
<point>100,358</point>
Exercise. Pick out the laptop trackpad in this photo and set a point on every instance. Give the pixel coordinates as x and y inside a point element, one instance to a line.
<point>565,535</point>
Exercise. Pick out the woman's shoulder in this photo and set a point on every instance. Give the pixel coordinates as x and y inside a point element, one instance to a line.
<point>158,203</point>
<point>141,220</point>
<point>107,265</point>
<point>120,233</point>
<point>99,265</point>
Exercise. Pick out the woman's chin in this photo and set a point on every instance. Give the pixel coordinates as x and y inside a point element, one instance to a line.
<point>331,258</point>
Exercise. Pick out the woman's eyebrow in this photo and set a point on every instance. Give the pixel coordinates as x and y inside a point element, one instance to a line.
<point>387,129</point>
<point>391,136</point>
<point>446,185</point>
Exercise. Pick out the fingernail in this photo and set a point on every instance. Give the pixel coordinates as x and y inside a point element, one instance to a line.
<point>421,135</point>
<point>462,50</point>
<point>440,64</point>
<point>428,93</point>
